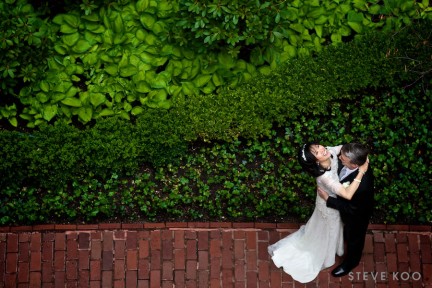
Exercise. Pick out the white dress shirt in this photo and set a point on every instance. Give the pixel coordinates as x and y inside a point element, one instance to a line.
<point>345,171</point>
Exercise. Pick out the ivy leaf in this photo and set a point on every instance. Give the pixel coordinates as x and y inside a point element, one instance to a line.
<point>316,13</point>
<point>128,71</point>
<point>56,97</point>
<point>13,121</point>
<point>140,34</point>
<point>72,91</point>
<point>209,88</point>
<point>97,99</point>
<point>9,72</point>
<point>158,99</point>
<point>108,37</point>
<point>146,57</point>
<point>95,28</point>
<point>85,114</point>
<point>297,27</point>
<point>44,86</point>
<point>265,70</point>
<point>106,112</point>
<point>124,115</point>
<point>265,5</point>
<point>66,29</point>
<point>90,58</point>
<point>357,27</point>
<point>60,49</point>
<point>189,88</point>
<point>137,110</point>
<point>318,30</point>
<point>58,19</point>
<point>92,17</point>
<point>42,97</point>
<point>226,60</point>
<point>151,39</point>
<point>147,21</point>
<point>141,5</point>
<point>374,9</point>
<point>71,39</point>
<point>217,79</point>
<point>81,46</point>
<point>321,20</point>
<point>111,69</point>
<point>159,81</point>
<point>174,90</point>
<point>188,54</point>
<point>142,87</point>
<point>49,112</point>
<point>353,16</point>
<point>201,80</point>
<point>158,27</point>
<point>345,30</point>
<point>74,102</point>
<point>118,26</point>
<point>336,37</point>
<point>72,20</point>
<point>127,106</point>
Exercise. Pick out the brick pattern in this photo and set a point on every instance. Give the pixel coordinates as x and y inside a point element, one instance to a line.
<point>228,255</point>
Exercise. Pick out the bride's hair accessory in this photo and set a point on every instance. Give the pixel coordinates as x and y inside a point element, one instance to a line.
<point>303,153</point>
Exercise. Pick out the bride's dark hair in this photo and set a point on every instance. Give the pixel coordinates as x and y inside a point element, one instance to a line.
<point>308,161</point>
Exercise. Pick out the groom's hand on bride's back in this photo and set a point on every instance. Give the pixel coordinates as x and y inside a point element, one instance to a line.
<point>323,194</point>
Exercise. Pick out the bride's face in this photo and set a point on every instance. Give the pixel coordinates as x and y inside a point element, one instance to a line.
<point>320,152</point>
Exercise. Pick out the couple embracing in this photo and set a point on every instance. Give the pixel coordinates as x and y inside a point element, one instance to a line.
<point>343,208</point>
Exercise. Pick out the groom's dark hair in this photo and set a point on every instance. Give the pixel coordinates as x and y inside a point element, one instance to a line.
<point>356,152</point>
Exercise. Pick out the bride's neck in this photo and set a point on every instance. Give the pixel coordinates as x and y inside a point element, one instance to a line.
<point>325,164</point>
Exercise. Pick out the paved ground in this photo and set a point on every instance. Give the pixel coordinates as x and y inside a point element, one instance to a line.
<point>228,255</point>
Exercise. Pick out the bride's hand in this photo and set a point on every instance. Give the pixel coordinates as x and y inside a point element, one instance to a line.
<point>323,194</point>
<point>363,168</point>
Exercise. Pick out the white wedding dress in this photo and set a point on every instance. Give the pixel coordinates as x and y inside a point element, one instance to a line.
<point>304,253</point>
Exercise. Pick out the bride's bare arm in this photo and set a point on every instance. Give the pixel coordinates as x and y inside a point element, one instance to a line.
<point>348,192</point>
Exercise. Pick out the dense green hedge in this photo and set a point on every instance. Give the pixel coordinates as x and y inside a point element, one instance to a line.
<point>56,154</point>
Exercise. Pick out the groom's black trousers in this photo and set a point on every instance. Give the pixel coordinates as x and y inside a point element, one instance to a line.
<point>354,234</point>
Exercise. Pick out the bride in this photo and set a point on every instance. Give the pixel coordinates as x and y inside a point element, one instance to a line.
<point>304,253</point>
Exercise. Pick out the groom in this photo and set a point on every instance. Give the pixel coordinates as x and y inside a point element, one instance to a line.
<point>355,213</point>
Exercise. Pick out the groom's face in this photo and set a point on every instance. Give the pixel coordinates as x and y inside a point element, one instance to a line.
<point>346,161</point>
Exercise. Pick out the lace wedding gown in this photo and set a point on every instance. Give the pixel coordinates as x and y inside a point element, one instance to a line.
<point>304,253</point>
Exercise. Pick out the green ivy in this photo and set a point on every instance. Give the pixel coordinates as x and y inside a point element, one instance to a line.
<point>25,44</point>
<point>118,59</point>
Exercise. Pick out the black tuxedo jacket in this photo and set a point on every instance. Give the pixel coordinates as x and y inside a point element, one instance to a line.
<point>358,210</point>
